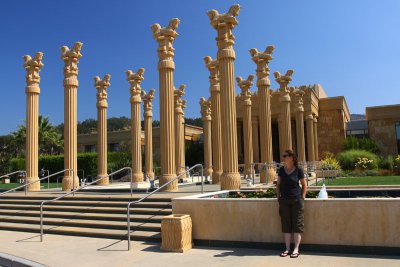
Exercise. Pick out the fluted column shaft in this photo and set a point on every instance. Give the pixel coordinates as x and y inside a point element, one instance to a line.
<point>215,92</point>
<point>70,58</point>
<point>102,105</point>
<point>261,59</point>
<point>180,140</point>
<point>310,137</point>
<point>135,80</point>
<point>247,136</point>
<point>255,137</point>
<point>286,123</point>
<point>32,90</point>
<point>299,109</point>
<point>315,131</point>
<point>148,132</point>
<point>206,117</point>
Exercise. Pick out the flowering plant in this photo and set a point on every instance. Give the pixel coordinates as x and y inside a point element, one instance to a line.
<point>364,164</point>
<point>396,162</point>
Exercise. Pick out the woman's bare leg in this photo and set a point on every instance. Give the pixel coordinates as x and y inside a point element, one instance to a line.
<point>297,240</point>
<point>287,240</point>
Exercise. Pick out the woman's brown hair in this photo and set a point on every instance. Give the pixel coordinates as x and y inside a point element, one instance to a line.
<point>293,155</point>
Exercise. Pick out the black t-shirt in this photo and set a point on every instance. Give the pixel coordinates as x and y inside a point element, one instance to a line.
<point>289,186</point>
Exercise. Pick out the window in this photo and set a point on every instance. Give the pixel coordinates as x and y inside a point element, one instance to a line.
<point>398,136</point>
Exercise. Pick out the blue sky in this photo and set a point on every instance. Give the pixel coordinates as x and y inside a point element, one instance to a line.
<point>351,48</point>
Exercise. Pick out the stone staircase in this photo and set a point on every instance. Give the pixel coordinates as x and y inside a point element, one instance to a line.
<point>91,216</point>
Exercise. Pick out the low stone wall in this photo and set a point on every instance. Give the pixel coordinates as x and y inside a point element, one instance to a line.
<point>370,222</point>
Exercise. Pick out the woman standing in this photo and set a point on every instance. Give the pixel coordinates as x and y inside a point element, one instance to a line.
<point>291,201</point>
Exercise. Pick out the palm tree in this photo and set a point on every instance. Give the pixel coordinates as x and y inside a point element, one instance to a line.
<point>50,141</point>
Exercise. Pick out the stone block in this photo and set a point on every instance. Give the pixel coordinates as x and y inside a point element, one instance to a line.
<point>176,233</point>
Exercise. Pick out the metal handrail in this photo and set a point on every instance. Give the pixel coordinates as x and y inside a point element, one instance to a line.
<point>128,220</point>
<point>11,173</point>
<point>26,184</point>
<point>73,192</point>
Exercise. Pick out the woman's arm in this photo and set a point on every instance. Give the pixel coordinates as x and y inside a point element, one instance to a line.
<point>303,187</point>
<point>278,187</point>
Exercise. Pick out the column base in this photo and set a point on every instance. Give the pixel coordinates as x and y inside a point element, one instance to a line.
<point>230,181</point>
<point>268,176</point>
<point>34,186</point>
<point>67,183</point>
<point>184,175</point>
<point>137,177</point>
<point>165,178</point>
<point>216,177</point>
<point>105,181</point>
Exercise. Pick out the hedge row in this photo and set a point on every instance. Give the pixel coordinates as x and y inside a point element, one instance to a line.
<point>349,158</point>
<point>86,162</point>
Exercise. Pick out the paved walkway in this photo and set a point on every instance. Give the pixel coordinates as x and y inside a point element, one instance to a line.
<point>80,251</point>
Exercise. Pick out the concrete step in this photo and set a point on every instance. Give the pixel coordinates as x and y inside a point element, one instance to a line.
<point>88,232</point>
<point>78,197</point>
<point>78,209</point>
<point>83,216</point>
<point>139,226</point>
<point>82,203</point>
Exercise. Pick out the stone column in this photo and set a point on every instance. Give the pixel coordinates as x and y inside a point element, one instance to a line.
<point>284,98</point>
<point>224,23</point>
<point>213,67</point>
<point>148,132</point>
<point>102,105</point>
<point>206,116</point>
<point>245,96</point>
<point>256,145</point>
<point>71,59</point>
<point>299,109</point>
<point>179,131</point>
<point>166,65</point>
<point>263,83</point>
<point>135,79</point>
<point>315,131</point>
<point>32,90</point>
<point>310,137</point>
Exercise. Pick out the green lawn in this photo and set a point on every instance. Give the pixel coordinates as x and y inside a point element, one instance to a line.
<point>364,180</point>
<point>14,185</point>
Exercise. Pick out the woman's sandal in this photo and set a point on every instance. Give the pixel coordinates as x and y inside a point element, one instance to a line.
<point>285,253</point>
<point>295,255</point>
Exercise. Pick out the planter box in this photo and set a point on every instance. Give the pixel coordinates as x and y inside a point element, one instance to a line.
<point>176,233</point>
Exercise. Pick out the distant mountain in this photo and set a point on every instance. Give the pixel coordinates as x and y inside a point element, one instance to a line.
<point>357,117</point>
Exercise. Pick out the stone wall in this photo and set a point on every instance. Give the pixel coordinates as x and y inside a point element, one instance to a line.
<point>327,222</point>
<point>383,132</point>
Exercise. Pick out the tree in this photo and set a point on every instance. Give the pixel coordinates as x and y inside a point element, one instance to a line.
<point>50,141</point>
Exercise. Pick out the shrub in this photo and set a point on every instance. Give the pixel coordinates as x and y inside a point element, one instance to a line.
<point>348,159</point>
<point>396,162</point>
<point>386,163</point>
<point>329,162</point>
<point>353,143</point>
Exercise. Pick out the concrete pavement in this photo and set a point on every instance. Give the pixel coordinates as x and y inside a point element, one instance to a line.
<point>84,252</point>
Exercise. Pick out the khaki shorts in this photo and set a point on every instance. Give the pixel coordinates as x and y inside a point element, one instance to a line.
<point>292,215</point>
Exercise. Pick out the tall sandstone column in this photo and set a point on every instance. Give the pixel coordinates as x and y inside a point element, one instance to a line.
<point>148,132</point>
<point>166,65</point>
<point>263,83</point>
<point>256,144</point>
<point>206,117</point>
<point>224,24</point>
<point>135,79</point>
<point>102,105</point>
<point>32,90</point>
<point>179,131</point>
<point>213,68</point>
<point>245,96</point>
<point>284,99</point>
<point>299,109</point>
<point>310,136</point>
<point>315,131</point>
<point>71,59</point>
